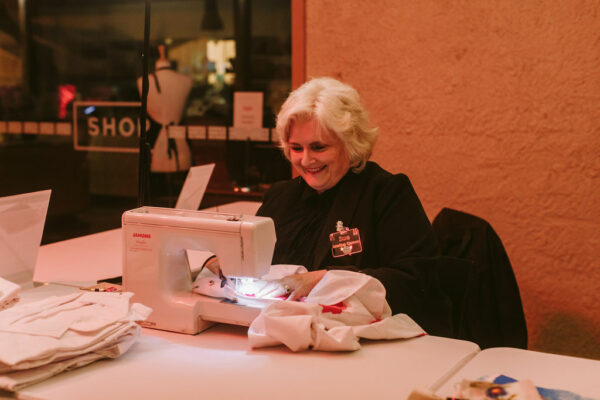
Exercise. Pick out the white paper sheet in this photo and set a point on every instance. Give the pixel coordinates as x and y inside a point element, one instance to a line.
<point>22,219</point>
<point>194,187</point>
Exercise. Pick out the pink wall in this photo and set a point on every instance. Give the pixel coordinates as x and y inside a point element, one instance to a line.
<point>492,108</point>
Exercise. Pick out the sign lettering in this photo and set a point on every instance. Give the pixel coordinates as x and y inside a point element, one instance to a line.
<point>107,126</point>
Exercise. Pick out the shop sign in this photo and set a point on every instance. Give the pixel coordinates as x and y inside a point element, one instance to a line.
<point>106,126</point>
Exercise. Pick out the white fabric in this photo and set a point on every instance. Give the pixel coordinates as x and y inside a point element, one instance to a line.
<point>41,339</point>
<point>342,308</point>
<point>9,293</point>
<point>266,288</point>
<point>19,379</point>
<point>211,286</point>
<point>80,311</point>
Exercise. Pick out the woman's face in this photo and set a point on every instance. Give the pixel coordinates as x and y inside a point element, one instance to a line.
<point>320,159</point>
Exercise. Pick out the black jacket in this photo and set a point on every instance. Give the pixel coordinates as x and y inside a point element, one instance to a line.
<point>487,303</point>
<point>399,246</point>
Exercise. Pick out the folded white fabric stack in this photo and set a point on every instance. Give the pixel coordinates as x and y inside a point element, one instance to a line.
<point>44,338</point>
<point>342,308</point>
<point>9,293</point>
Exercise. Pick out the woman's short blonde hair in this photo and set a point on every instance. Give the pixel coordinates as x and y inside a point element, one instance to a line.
<point>336,107</point>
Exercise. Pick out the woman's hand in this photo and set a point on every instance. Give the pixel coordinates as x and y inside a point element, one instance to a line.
<point>300,285</point>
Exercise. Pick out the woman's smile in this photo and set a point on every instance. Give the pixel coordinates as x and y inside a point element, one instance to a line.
<point>315,170</point>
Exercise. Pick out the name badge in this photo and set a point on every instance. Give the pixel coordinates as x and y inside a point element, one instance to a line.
<point>345,241</point>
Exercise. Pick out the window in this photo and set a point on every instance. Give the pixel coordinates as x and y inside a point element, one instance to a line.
<point>56,53</point>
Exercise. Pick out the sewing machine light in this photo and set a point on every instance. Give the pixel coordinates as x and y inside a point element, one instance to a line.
<point>247,286</point>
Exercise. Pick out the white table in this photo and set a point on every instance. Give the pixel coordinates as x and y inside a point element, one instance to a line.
<point>219,364</point>
<point>87,258</point>
<point>551,371</point>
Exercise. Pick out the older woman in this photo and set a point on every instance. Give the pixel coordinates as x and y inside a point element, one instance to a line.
<point>345,212</point>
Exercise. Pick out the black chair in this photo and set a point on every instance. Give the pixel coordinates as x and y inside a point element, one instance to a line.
<point>487,306</point>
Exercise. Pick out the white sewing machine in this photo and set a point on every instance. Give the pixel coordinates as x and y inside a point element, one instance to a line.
<point>156,269</point>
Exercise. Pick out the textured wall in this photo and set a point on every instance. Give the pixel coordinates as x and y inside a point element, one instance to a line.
<point>493,108</point>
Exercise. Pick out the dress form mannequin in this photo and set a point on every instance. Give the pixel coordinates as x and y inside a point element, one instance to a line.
<point>165,105</point>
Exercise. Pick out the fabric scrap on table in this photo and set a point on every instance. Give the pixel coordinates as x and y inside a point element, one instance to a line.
<point>9,293</point>
<point>41,339</point>
<point>342,308</point>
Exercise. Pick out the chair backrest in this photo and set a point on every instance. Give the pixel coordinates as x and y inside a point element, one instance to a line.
<point>488,308</point>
